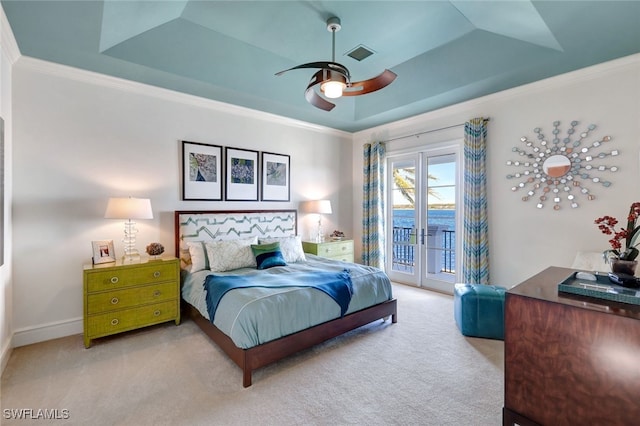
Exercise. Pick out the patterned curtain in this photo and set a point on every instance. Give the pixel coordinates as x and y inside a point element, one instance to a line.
<point>476,237</point>
<point>373,205</point>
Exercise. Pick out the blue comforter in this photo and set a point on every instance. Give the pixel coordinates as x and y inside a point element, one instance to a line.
<point>336,285</point>
<point>256,315</point>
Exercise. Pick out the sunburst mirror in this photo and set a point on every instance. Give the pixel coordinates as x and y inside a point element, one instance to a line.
<point>559,171</point>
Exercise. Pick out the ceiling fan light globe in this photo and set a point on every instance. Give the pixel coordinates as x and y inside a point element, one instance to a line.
<point>332,89</point>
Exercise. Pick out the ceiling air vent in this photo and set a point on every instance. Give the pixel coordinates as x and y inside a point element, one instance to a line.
<point>360,52</point>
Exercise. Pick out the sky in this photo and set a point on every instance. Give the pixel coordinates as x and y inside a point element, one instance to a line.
<point>443,187</point>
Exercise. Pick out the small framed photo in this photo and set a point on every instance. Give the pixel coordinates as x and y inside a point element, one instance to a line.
<point>275,177</point>
<point>103,251</point>
<point>201,171</point>
<point>241,182</point>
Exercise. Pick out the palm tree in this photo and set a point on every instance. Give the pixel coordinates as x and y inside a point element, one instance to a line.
<point>405,181</point>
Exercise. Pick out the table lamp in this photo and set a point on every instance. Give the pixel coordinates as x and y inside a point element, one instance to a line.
<point>129,208</point>
<point>318,207</point>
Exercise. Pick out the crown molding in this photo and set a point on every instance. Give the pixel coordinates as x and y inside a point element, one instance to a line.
<point>92,77</point>
<point>563,80</point>
<point>8,42</point>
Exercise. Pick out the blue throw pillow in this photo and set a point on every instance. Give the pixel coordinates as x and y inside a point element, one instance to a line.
<point>268,255</point>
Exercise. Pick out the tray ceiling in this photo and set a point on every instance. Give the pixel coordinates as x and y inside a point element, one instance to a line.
<point>444,52</point>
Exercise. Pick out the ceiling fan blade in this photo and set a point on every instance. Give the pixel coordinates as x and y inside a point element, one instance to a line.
<point>317,101</point>
<point>312,97</point>
<point>334,66</point>
<point>367,86</point>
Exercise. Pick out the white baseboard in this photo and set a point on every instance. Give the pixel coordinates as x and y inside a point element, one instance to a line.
<point>41,333</point>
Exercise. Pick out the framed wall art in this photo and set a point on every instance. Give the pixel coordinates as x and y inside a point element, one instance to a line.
<point>103,251</point>
<point>241,182</point>
<point>202,171</point>
<point>275,177</point>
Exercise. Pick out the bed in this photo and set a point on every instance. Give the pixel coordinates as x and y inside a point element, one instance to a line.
<point>268,319</point>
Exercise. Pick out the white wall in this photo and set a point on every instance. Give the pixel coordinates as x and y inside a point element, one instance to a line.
<point>524,239</point>
<point>8,55</point>
<point>81,138</point>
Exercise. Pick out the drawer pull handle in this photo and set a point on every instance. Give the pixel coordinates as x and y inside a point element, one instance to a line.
<point>156,274</point>
<point>114,301</point>
<point>156,293</point>
<point>156,313</point>
<point>114,280</point>
<point>343,248</point>
<point>114,321</point>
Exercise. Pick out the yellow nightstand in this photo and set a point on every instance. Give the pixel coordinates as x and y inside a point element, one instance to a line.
<point>121,297</point>
<point>338,250</point>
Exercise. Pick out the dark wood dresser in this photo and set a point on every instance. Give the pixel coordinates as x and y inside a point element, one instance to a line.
<point>569,360</point>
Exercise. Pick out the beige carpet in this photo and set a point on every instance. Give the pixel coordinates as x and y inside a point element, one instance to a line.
<point>420,371</point>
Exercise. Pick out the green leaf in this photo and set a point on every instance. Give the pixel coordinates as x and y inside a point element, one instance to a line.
<point>630,254</point>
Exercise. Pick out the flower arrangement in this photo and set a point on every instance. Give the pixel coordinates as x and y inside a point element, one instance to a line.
<point>607,224</point>
<point>337,235</point>
<point>155,249</point>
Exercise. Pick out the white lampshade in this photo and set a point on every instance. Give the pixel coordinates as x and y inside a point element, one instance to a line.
<point>128,208</point>
<point>316,206</point>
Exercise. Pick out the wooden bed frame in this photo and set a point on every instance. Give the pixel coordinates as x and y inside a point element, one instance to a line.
<point>267,353</point>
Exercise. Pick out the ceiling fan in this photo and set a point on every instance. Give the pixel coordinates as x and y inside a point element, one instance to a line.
<point>334,78</point>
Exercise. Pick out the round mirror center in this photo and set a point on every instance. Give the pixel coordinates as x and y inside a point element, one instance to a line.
<point>556,165</point>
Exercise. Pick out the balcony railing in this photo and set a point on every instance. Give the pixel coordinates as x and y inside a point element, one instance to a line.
<point>440,249</point>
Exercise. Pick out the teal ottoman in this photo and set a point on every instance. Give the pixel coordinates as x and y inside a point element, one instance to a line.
<point>479,310</point>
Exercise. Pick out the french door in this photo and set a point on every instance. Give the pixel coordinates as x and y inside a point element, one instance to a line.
<point>423,238</point>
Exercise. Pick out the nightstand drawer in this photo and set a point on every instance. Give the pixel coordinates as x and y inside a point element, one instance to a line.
<point>334,249</point>
<point>117,278</point>
<point>129,319</point>
<point>121,299</point>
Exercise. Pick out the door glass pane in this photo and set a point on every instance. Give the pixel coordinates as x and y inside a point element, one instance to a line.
<point>403,216</point>
<point>441,218</point>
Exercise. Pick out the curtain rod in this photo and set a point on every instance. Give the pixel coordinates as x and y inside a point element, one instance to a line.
<point>429,131</point>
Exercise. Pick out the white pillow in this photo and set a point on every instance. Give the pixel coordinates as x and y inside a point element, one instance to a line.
<point>231,254</point>
<point>198,255</point>
<point>291,247</point>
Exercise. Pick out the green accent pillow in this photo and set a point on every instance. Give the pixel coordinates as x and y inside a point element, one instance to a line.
<point>268,255</point>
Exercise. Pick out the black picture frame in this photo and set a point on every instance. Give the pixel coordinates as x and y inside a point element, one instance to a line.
<point>276,177</point>
<point>241,174</point>
<point>202,171</point>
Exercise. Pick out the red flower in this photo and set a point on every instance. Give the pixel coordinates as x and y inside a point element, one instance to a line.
<point>607,224</point>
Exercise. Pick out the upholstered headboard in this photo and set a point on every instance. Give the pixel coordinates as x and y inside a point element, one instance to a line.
<point>212,225</point>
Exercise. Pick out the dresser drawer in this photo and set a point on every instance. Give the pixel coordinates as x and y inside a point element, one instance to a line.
<point>127,298</point>
<point>116,278</point>
<point>129,319</point>
<point>336,249</point>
